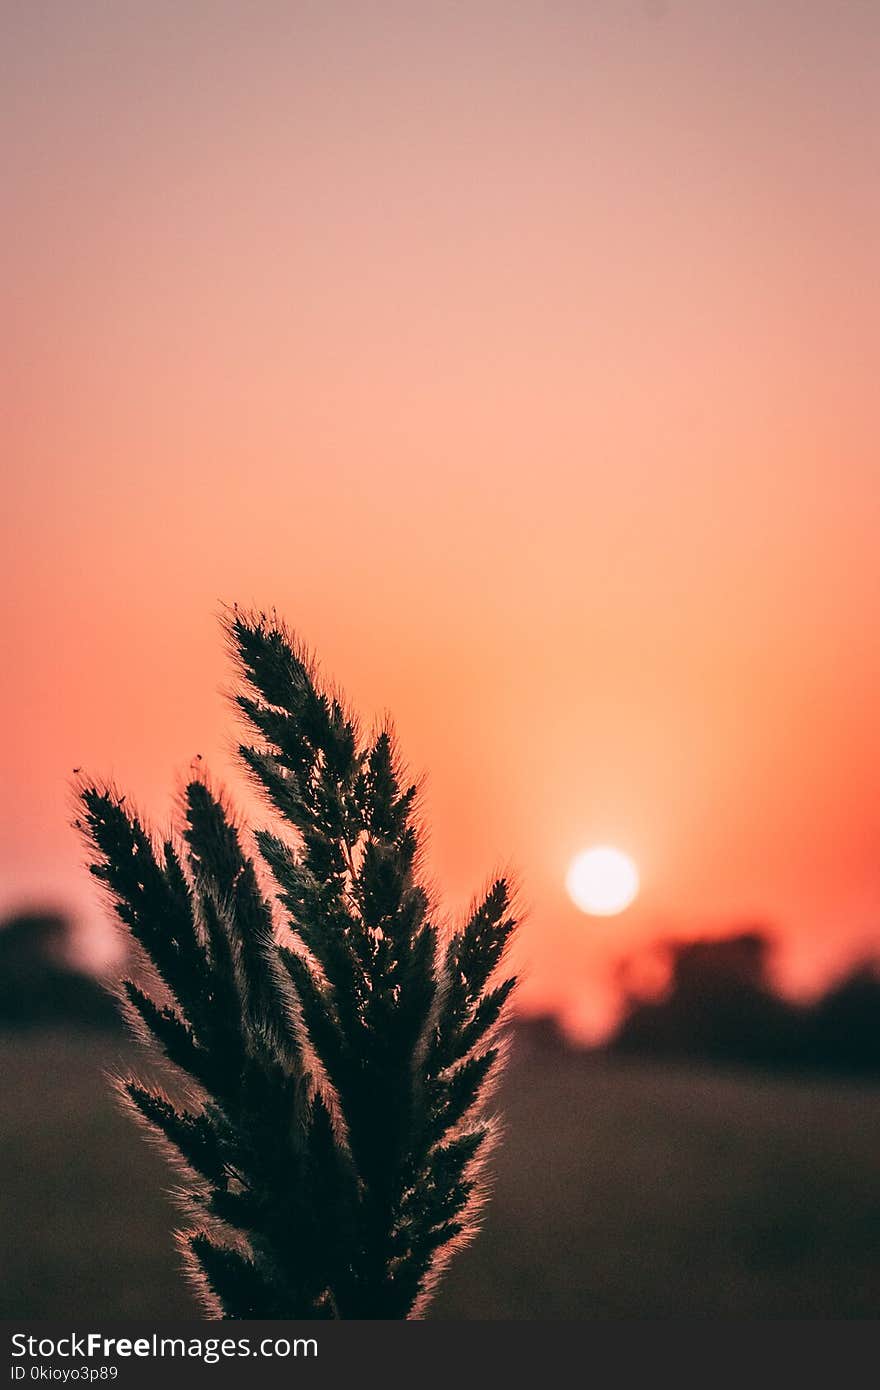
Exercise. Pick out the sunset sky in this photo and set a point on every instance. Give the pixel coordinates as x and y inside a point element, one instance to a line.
<point>524,356</point>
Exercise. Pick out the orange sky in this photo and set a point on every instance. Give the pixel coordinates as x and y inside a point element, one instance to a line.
<point>524,356</point>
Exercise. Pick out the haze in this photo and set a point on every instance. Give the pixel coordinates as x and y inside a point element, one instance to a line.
<point>524,356</point>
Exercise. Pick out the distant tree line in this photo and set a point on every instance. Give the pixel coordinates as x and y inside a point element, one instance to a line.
<point>720,1005</point>
<point>39,985</point>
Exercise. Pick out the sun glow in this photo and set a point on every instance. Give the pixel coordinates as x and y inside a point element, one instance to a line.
<point>602,881</point>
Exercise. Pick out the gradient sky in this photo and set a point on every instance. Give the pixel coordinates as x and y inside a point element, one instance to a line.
<point>524,356</point>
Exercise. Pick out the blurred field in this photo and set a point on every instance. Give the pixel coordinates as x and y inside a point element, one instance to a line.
<point>622,1191</point>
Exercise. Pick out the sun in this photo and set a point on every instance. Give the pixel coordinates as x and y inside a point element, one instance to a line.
<point>602,881</point>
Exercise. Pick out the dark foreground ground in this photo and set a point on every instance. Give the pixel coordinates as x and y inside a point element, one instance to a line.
<point>622,1190</point>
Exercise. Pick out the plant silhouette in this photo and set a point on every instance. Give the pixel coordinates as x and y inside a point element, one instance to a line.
<point>330,1070</point>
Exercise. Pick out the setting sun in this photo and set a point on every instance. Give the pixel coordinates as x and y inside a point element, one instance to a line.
<point>602,881</point>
